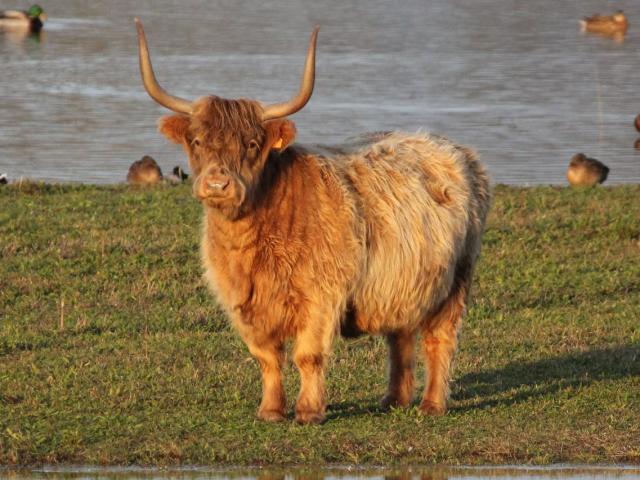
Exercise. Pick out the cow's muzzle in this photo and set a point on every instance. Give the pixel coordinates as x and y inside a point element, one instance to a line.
<point>218,186</point>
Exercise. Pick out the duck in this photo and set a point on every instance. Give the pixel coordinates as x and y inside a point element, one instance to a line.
<point>3,179</point>
<point>145,171</point>
<point>615,24</point>
<point>31,20</point>
<point>586,172</point>
<point>178,172</point>
<point>177,176</point>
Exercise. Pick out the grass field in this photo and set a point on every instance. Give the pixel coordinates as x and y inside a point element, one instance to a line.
<point>113,352</point>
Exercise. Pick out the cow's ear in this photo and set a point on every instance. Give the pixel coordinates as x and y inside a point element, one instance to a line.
<point>280,134</point>
<point>175,128</point>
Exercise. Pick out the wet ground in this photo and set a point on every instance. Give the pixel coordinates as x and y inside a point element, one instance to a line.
<point>562,472</point>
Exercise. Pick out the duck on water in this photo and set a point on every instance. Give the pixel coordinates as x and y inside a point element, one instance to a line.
<point>610,25</point>
<point>31,20</point>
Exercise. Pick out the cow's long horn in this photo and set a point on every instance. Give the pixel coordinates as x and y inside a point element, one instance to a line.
<point>279,110</point>
<point>152,86</point>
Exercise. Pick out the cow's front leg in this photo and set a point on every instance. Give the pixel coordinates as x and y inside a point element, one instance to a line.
<point>310,355</point>
<point>270,356</point>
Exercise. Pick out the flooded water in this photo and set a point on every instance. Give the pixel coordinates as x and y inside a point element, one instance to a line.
<point>516,80</point>
<point>340,473</point>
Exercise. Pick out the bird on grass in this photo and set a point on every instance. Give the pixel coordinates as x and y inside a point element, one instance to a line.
<point>144,172</point>
<point>586,172</point>
<point>178,172</point>
<point>178,175</point>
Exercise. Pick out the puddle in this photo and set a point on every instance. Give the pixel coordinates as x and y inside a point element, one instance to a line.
<point>564,472</point>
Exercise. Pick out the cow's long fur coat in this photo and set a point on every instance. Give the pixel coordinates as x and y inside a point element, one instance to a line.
<point>380,237</point>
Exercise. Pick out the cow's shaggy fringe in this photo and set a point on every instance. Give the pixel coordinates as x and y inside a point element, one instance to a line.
<point>221,114</point>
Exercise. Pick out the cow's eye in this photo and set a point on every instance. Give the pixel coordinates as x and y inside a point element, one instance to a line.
<point>253,145</point>
<point>195,142</point>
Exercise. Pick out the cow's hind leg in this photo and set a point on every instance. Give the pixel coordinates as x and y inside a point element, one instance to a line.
<point>270,356</point>
<point>401,359</point>
<point>439,339</point>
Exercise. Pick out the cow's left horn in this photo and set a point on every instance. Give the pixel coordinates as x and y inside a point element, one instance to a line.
<point>152,86</point>
<point>279,110</point>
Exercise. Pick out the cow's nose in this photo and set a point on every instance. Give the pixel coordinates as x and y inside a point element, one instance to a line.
<point>216,182</point>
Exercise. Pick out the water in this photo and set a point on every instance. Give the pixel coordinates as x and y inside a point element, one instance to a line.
<point>561,472</point>
<point>515,80</point>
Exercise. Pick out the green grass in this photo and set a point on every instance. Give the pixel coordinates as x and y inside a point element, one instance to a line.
<point>113,352</point>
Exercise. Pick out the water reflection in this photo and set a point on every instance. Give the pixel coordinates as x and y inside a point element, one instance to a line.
<point>344,473</point>
<point>617,37</point>
<point>23,36</point>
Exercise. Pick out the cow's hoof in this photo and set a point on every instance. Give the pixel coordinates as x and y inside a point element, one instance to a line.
<point>390,400</point>
<point>309,418</point>
<point>432,409</point>
<point>271,416</point>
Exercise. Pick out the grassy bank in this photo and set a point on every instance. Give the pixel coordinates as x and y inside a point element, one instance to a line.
<point>112,351</point>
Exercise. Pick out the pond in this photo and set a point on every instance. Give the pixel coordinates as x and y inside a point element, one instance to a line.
<point>516,80</point>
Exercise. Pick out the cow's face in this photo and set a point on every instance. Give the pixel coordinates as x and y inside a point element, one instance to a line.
<point>228,141</point>
<point>228,146</point>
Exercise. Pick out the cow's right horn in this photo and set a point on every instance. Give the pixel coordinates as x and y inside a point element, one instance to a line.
<point>152,86</point>
<point>280,110</point>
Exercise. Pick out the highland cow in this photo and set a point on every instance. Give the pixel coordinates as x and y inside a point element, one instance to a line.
<point>380,237</point>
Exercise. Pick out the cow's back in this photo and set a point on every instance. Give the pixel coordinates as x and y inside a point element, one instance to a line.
<point>424,201</point>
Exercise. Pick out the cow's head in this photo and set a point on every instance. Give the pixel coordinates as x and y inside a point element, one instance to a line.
<point>228,141</point>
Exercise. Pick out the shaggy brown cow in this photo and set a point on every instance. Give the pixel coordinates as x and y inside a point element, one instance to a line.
<point>379,238</point>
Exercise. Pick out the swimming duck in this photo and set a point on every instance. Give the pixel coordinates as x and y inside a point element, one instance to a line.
<point>615,24</point>
<point>144,172</point>
<point>586,172</point>
<point>32,19</point>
